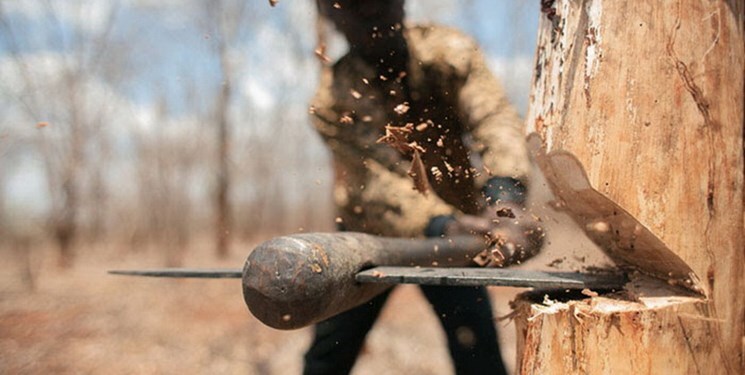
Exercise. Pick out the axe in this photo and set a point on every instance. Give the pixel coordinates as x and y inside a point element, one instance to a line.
<point>293,281</point>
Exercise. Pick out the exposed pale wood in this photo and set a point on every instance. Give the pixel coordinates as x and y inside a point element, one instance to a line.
<point>649,98</point>
<point>660,335</point>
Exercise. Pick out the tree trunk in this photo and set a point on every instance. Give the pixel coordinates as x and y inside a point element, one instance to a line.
<point>222,192</point>
<point>66,218</point>
<point>65,225</point>
<point>640,108</point>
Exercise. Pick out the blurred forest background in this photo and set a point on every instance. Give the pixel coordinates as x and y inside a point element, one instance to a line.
<point>150,133</point>
<point>158,122</point>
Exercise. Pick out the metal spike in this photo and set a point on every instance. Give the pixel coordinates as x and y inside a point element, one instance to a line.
<point>491,276</point>
<point>198,273</point>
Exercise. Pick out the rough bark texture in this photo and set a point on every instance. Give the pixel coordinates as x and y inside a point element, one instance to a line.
<point>649,98</point>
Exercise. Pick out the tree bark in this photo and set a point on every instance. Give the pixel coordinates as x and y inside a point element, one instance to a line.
<point>646,100</point>
<point>222,192</point>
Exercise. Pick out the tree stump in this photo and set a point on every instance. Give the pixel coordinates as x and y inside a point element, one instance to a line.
<point>639,111</point>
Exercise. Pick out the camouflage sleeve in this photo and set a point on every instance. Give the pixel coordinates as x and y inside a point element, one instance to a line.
<point>495,126</point>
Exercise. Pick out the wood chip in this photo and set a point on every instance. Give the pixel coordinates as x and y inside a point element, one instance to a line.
<point>346,119</point>
<point>498,257</point>
<point>320,52</point>
<point>437,173</point>
<point>315,267</point>
<point>402,108</point>
<point>449,167</point>
<point>398,138</point>
<point>482,258</point>
<point>589,293</point>
<point>418,173</point>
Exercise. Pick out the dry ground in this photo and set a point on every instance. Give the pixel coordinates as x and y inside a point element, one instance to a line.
<point>85,321</point>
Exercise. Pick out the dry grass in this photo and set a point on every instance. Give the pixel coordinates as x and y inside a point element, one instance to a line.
<point>85,321</point>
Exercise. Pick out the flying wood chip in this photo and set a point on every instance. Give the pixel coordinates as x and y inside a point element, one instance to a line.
<point>418,173</point>
<point>402,108</point>
<point>398,138</point>
<point>320,53</point>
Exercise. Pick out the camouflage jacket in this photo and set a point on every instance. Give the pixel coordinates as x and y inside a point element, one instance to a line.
<point>459,121</point>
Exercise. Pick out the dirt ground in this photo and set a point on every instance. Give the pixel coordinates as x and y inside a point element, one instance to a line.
<point>85,321</point>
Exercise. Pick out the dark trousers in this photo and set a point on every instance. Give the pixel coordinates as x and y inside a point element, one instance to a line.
<point>464,312</point>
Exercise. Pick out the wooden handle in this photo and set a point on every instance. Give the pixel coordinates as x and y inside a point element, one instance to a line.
<point>293,281</point>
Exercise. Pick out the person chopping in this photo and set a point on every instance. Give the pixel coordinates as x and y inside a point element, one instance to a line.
<point>423,143</point>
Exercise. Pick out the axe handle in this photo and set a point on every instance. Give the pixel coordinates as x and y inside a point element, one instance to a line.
<point>293,281</point>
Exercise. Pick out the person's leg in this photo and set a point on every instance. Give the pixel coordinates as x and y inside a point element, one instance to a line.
<point>466,316</point>
<point>338,340</point>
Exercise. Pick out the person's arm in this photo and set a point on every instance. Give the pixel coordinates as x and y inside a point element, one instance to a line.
<point>497,135</point>
<point>496,128</point>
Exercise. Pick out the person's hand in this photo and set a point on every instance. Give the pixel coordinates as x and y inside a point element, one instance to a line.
<point>514,234</point>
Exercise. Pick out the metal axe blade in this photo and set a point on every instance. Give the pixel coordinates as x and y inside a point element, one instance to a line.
<point>491,276</point>
<point>459,276</point>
